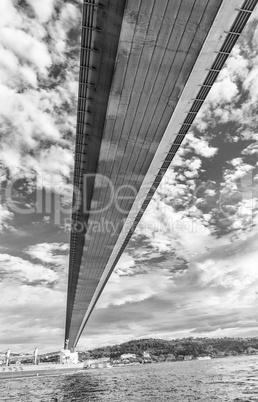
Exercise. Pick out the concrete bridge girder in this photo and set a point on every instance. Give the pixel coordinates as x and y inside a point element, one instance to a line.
<point>161,56</point>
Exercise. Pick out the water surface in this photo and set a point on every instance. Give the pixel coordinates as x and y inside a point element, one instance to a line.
<point>230,379</point>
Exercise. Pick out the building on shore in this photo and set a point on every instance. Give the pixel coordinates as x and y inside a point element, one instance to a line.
<point>97,363</point>
<point>203,358</point>
<point>188,357</point>
<point>127,356</point>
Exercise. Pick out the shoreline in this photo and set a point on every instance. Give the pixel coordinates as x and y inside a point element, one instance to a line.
<point>20,371</point>
<point>53,370</point>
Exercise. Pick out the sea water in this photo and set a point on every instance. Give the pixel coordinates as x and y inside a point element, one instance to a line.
<point>228,379</point>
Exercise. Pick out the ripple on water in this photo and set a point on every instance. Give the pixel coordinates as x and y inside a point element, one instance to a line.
<point>226,380</point>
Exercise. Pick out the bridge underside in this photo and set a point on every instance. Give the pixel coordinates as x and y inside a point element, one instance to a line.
<point>146,68</point>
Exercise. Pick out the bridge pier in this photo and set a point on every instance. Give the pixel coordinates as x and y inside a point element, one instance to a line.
<point>68,356</point>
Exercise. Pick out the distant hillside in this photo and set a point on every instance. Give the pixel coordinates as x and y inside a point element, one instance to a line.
<point>162,350</point>
<point>177,349</point>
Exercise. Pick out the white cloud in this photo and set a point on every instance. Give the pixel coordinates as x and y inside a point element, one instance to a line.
<point>126,265</point>
<point>235,272</point>
<point>241,170</point>
<point>26,321</point>
<point>69,16</point>
<point>43,9</point>
<point>224,90</point>
<point>38,84</point>
<point>252,149</point>
<point>9,14</point>
<point>216,296</point>
<point>8,60</point>
<point>50,253</point>
<point>237,65</point>
<point>238,76</point>
<point>34,115</point>
<point>200,146</point>
<point>18,269</point>
<point>134,289</point>
<point>5,216</point>
<point>26,48</point>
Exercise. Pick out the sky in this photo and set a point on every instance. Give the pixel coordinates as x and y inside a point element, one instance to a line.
<point>190,268</point>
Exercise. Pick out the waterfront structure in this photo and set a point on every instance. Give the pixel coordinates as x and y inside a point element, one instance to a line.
<point>8,357</point>
<point>126,356</point>
<point>146,68</point>
<point>97,363</point>
<point>203,358</point>
<point>188,357</point>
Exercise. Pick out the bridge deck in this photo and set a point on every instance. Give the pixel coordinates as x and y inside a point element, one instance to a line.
<point>143,64</point>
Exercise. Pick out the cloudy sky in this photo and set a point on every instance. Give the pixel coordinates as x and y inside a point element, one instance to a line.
<point>191,267</point>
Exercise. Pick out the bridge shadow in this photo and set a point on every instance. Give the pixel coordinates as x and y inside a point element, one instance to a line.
<point>85,387</point>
